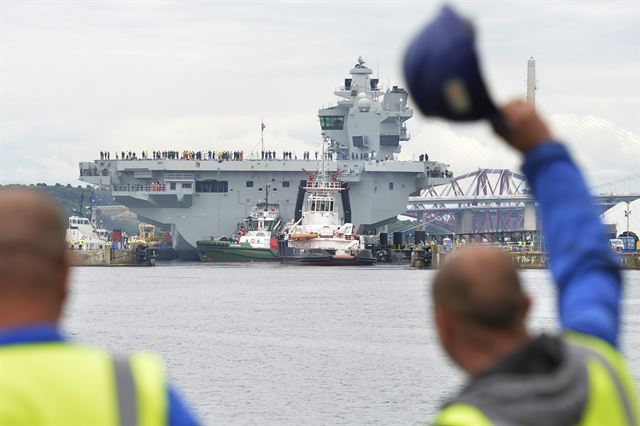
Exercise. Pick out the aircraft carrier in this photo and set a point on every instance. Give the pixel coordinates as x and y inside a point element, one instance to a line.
<point>208,198</point>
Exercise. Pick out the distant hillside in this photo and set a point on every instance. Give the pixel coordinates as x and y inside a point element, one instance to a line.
<point>68,197</point>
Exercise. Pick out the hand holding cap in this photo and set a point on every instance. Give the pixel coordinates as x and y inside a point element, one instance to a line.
<point>443,74</point>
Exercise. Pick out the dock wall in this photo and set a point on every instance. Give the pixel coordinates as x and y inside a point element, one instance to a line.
<point>532,260</point>
<point>104,257</point>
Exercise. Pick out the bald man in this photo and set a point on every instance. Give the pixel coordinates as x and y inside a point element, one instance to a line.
<point>45,379</point>
<point>480,310</point>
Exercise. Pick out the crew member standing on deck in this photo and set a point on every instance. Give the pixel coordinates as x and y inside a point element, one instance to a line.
<point>480,310</point>
<point>44,378</point>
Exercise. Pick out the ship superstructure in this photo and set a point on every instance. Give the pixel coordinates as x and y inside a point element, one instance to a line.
<point>209,198</point>
<point>366,121</point>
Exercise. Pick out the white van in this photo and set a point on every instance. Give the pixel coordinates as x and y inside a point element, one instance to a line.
<point>617,244</point>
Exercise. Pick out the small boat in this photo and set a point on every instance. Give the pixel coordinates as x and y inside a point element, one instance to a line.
<point>82,234</point>
<point>256,242</point>
<point>319,236</point>
<point>164,251</point>
<point>160,244</point>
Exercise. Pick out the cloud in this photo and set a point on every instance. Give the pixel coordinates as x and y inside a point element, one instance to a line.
<point>78,78</point>
<point>445,142</point>
<point>605,151</point>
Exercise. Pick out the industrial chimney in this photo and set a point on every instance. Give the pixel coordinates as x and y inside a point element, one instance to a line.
<point>531,81</point>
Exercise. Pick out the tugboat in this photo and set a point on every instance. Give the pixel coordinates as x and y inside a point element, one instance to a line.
<point>319,237</point>
<point>82,234</point>
<point>256,241</point>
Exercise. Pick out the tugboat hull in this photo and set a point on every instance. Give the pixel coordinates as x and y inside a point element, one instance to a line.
<point>236,253</point>
<point>316,257</point>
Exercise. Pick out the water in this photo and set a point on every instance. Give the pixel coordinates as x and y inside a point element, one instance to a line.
<point>292,345</point>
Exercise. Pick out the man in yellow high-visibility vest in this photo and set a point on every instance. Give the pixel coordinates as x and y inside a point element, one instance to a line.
<point>45,379</point>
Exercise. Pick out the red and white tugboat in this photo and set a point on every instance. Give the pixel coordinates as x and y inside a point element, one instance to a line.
<point>319,236</point>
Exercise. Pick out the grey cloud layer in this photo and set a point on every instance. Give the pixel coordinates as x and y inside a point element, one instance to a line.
<point>81,77</point>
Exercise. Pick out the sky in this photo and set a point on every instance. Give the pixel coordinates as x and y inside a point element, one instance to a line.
<point>81,77</point>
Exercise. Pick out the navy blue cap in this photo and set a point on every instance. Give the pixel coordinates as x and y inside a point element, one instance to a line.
<point>442,71</point>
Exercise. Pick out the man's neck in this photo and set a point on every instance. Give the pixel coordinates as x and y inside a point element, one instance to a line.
<point>15,316</point>
<point>480,359</point>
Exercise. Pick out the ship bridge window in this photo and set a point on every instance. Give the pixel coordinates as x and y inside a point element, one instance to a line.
<point>249,184</point>
<point>360,141</point>
<point>332,122</point>
<point>391,186</point>
<point>285,183</point>
<point>212,186</point>
<point>389,140</point>
<point>322,206</point>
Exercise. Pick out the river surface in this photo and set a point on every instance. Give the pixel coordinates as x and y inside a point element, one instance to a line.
<point>276,344</point>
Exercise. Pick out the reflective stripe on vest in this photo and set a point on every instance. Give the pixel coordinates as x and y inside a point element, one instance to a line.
<point>67,384</point>
<point>612,397</point>
<point>125,391</point>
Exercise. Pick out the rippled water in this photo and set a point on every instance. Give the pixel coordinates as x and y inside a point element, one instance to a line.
<point>292,345</point>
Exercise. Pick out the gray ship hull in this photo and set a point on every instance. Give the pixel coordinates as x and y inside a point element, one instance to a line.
<point>202,199</point>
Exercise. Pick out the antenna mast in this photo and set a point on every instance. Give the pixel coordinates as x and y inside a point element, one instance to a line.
<point>324,142</point>
<point>262,126</point>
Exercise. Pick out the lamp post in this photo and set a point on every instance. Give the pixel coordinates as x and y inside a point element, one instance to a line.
<point>627,213</point>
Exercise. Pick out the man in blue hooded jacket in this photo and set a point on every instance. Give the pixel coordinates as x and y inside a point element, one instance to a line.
<point>480,309</point>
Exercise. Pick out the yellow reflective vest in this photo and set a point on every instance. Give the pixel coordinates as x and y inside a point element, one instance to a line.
<point>610,396</point>
<point>60,383</point>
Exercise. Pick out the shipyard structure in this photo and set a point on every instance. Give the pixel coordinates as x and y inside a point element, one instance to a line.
<point>200,199</point>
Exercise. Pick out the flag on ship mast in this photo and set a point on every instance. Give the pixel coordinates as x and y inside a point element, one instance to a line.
<point>262,125</point>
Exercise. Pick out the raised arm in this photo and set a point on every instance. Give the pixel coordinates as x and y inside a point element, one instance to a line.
<point>583,267</point>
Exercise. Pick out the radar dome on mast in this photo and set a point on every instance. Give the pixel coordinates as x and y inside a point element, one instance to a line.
<point>364,104</point>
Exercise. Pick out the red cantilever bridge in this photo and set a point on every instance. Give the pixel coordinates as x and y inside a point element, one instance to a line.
<point>487,200</point>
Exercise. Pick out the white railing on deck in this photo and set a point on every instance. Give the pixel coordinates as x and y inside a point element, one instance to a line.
<point>178,176</point>
<point>134,187</point>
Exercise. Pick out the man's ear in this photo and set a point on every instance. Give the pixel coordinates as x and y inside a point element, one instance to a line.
<point>443,325</point>
<point>62,279</point>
